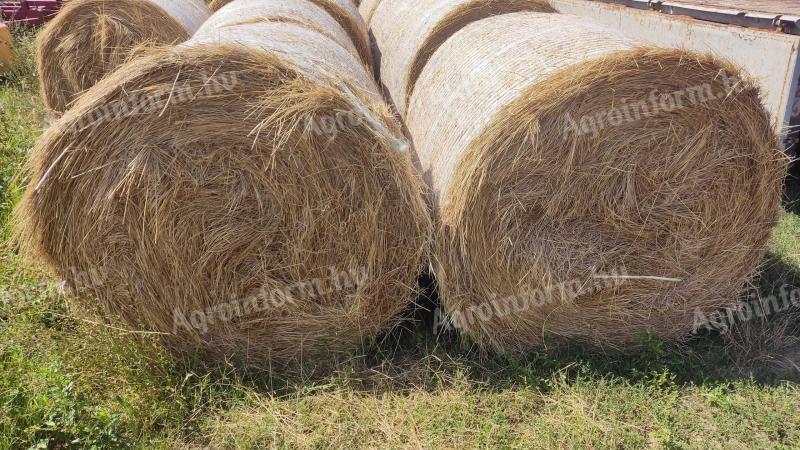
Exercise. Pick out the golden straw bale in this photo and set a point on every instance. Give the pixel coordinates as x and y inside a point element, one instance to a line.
<point>589,189</point>
<point>217,209</point>
<point>90,38</point>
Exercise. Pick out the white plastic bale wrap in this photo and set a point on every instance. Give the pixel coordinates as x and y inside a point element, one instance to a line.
<point>367,9</point>
<point>348,15</point>
<point>329,55</point>
<point>484,68</point>
<point>291,12</point>
<point>406,31</point>
<point>189,13</point>
<point>342,11</point>
<point>352,13</point>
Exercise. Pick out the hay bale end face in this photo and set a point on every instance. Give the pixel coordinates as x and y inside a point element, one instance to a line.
<point>90,38</point>
<point>254,206</point>
<point>590,190</point>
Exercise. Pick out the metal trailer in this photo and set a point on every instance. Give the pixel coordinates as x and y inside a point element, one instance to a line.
<point>760,36</point>
<point>30,13</point>
<point>22,13</point>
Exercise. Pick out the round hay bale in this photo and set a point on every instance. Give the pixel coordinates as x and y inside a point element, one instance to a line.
<point>343,11</point>
<point>90,38</point>
<point>246,197</point>
<point>590,190</point>
<point>408,33</point>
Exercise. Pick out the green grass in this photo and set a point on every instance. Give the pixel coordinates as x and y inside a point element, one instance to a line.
<point>20,123</point>
<point>68,383</point>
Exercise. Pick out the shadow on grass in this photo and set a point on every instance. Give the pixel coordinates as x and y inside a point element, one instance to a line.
<point>413,357</point>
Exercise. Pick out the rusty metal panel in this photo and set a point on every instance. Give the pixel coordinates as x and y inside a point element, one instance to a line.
<point>793,131</point>
<point>731,14</point>
<point>780,15</point>
<point>771,58</point>
<point>791,7</point>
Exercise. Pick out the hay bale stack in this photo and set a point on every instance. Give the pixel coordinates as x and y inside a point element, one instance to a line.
<point>409,32</point>
<point>589,189</point>
<point>344,11</point>
<point>246,197</point>
<point>90,38</point>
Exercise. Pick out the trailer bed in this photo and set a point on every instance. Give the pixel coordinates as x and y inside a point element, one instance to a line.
<point>30,13</point>
<point>791,7</point>
<point>764,43</point>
